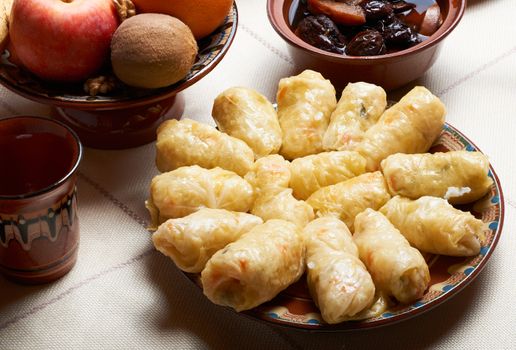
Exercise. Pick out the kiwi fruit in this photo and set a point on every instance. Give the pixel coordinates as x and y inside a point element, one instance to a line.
<point>152,50</point>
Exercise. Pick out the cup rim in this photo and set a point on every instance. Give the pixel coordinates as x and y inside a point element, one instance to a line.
<point>65,177</point>
<point>279,23</point>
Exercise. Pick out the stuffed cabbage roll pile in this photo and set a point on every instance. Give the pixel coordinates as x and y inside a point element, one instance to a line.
<point>338,281</point>
<point>256,267</point>
<point>305,102</point>
<point>247,115</point>
<point>238,205</point>
<point>190,241</point>
<point>410,126</point>
<point>185,190</point>
<point>397,268</point>
<point>312,172</point>
<point>433,225</point>
<point>187,142</point>
<point>348,198</point>
<point>359,107</point>
<point>459,176</point>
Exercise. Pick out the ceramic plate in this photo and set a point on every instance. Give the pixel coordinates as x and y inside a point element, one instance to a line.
<point>294,308</point>
<point>211,51</point>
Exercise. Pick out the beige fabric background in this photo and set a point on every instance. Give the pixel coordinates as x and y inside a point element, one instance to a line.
<point>124,295</point>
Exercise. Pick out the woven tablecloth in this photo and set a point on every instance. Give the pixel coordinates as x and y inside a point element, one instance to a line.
<point>122,294</point>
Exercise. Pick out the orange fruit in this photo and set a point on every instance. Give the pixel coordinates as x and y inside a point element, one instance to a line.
<point>202,16</point>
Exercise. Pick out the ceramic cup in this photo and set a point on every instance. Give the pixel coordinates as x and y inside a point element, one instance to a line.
<point>39,228</point>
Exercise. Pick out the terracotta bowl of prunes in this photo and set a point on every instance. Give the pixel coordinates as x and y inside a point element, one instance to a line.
<point>385,42</point>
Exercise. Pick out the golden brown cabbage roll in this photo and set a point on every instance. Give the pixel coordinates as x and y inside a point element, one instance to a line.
<point>312,172</point>
<point>187,142</point>
<point>338,281</point>
<point>410,126</point>
<point>359,107</point>
<point>348,198</point>
<point>269,175</point>
<point>283,206</point>
<point>459,176</point>
<point>256,267</point>
<point>397,268</point>
<point>185,190</point>
<point>305,102</point>
<point>246,114</point>
<point>190,241</point>
<point>433,225</point>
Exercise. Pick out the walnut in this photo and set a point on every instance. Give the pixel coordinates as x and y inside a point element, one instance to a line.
<point>101,84</point>
<point>125,9</point>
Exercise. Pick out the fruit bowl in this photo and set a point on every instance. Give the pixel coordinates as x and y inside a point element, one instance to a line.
<point>128,117</point>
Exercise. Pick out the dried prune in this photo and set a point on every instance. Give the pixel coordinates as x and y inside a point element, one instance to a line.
<point>376,9</point>
<point>368,42</point>
<point>397,33</point>
<point>320,31</point>
<point>375,27</point>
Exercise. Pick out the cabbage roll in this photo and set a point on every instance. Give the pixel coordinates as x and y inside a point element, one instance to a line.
<point>187,142</point>
<point>433,225</point>
<point>397,268</point>
<point>310,173</point>
<point>248,115</point>
<point>348,198</point>
<point>185,190</point>
<point>283,206</point>
<point>305,102</point>
<point>410,126</point>
<point>269,175</point>
<point>359,107</point>
<point>190,241</point>
<point>459,176</point>
<point>338,281</point>
<point>256,267</point>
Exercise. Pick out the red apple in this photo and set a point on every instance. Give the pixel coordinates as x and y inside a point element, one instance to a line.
<point>62,40</point>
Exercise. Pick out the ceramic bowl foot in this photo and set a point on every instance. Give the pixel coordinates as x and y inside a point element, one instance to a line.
<point>120,128</point>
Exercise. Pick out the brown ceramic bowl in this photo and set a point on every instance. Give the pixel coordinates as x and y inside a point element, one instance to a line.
<point>390,71</point>
<point>127,117</point>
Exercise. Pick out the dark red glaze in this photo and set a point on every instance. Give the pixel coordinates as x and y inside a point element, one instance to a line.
<point>39,229</point>
<point>391,70</point>
<point>22,153</point>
